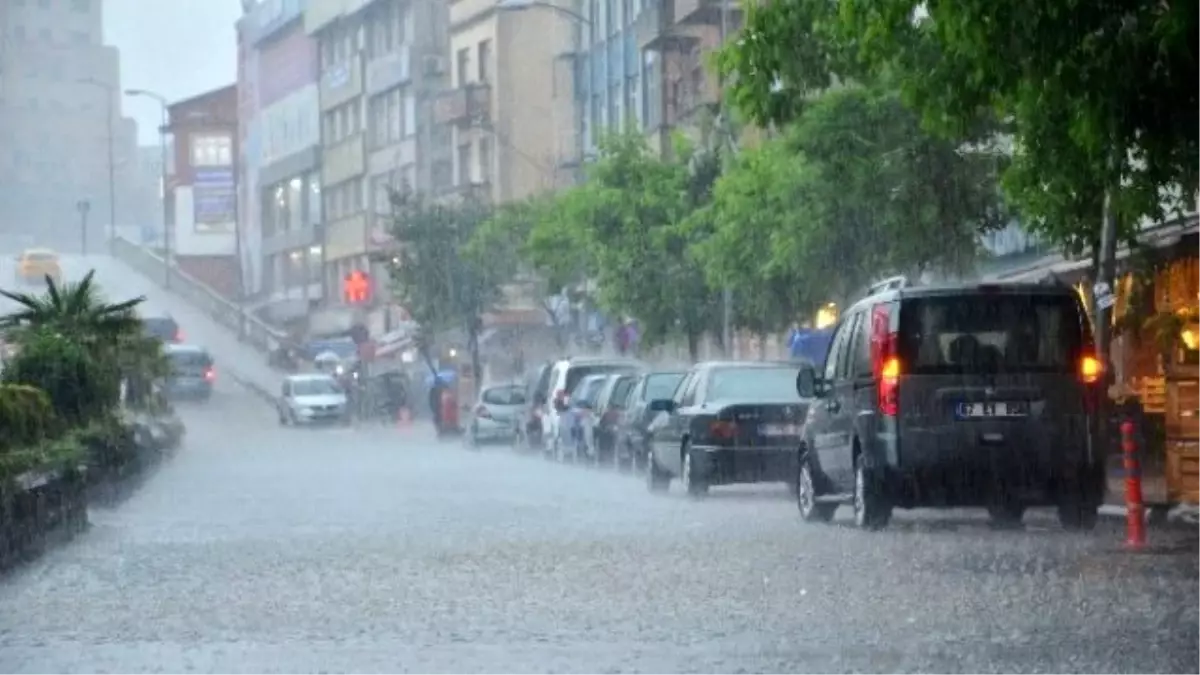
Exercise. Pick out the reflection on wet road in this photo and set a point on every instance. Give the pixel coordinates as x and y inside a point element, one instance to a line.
<point>269,549</point>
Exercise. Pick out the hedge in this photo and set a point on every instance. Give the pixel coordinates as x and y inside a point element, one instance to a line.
<point>26,416</point>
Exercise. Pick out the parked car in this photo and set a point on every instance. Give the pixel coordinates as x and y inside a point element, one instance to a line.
<point>312,398</point>
<point>192,372</point>
<point>963,395</point>
<point>533,412</point>
<point>574,441</point>
<point>632,439</point>
<point>610,404</point>
<point>496,414</point>
<point>727,422</point>
<point>564,376</point>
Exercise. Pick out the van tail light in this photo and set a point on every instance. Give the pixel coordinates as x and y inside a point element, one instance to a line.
<point>483,412</point>
<point>1090,369</point>
<point>722,430</point>
<point>885,359</point>
<point>210,374</point>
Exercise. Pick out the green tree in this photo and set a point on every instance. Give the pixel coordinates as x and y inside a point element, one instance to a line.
<point>1097,97</point>
<point>81,388</point>
<point>443,281</point>
<point>633,220</point>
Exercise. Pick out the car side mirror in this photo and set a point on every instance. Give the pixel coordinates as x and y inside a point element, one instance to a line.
<point>662,405</point>
<point>807,385</point>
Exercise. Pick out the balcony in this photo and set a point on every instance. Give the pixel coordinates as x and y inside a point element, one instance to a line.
<point>340,83</point>
<point>655,29</point>
<point>706,12</point>
<point>390,70</point>
<point>471,104</point>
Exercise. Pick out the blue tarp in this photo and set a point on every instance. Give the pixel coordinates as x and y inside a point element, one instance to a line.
<point>343,347</point>
<point>447,375</point>
<point>810,344</point>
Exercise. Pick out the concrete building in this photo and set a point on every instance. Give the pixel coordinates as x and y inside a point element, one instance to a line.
<point>201,202</point>
<point>680,91</point>
<point>280,116</point>
<point>380,62</point>
<point>511,107</point>
<point>59,89</point>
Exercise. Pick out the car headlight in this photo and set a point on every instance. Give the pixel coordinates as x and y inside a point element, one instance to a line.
<point>304,411</point>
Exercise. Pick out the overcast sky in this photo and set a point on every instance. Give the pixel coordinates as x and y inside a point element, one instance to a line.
<point>178,48</point>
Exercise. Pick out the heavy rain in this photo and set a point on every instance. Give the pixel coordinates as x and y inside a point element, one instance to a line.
<point>596,336</point>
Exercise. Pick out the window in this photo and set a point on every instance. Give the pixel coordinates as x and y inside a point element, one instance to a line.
<point>442,175</point>
<point>314,199</point>
<point>395,114</point>
<point>862,348</point>
<point>847,358</point>
<point>209,150</point>
<point>378,117</point>
<point>463,66</point>
<point>485,159</point>
<point>614,107</point>
<point>464,164</point>
<point>835,352</point>
<point>409,112</point>
<point>633,102</point>
<point>380,187</point>
<point>485,59</point>
<point>754,383</point>
<point>295,204</point>
<point>653,97</point>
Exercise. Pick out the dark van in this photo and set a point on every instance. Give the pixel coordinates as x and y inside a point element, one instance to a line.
<point>969,395</point>
<point>192,373</point>
<point>162,328</point>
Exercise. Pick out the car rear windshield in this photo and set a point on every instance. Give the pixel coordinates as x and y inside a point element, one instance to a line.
<point>507,395</point>
<point>753,384</point>
<point>577,373</point>
<point>662,385</point>
<point>160,328</point>
<point>982,333</point>
<point>317,386</point>
<point>587,391</point>
<point>189,360</point>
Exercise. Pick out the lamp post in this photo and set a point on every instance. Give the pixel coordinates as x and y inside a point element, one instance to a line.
<point>162,141</point>
<point>83,206</point>
<point>112,179</point>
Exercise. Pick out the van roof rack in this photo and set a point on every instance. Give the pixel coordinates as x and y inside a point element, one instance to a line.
<point>890,284</point>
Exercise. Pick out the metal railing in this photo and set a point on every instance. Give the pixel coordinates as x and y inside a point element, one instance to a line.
<point>250,329</point>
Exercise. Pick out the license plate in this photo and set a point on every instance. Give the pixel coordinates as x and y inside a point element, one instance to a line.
<point>774,430</point>
<point>988,409</point>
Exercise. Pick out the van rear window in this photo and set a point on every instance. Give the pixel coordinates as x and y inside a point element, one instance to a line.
<point>983,333</point>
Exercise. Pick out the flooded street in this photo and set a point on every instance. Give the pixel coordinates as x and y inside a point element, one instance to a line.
<point>268,549</point>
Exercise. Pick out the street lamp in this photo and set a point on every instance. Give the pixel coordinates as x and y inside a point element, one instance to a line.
<point>162,141</point>
<point>112,180</point>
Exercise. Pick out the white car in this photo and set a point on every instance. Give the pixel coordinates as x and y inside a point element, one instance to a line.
<point>312,398</point>
<point>495,416</point>
<point>564,377</point>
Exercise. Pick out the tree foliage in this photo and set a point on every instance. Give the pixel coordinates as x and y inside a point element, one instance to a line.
<point>80,387</point>
<point>443,281</point>
<point>1093,96</point>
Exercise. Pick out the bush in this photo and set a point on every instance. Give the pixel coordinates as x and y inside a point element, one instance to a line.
<point>80,387</point>
<point>26,416</point>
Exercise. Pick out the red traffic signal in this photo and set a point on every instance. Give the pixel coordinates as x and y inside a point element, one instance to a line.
<point>356,287</point>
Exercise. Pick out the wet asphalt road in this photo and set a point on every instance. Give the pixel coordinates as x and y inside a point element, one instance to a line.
<point>264,549</point>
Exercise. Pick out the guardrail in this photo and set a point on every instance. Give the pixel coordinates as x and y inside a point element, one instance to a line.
<point>250,329</point>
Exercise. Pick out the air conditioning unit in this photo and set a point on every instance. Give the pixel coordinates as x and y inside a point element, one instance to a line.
<point>434,64</point>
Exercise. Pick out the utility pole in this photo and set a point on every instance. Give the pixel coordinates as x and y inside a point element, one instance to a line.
<point>112,173</point>
<point>83,206</point>
<point>723,116</point>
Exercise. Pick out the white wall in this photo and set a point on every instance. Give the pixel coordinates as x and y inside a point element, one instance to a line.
<point>290,125</point>
<point>185,240</point>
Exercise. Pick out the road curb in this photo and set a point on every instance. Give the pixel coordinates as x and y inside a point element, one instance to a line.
<point>253,388</point>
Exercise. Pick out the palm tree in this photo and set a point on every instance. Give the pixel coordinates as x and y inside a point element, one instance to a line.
<point>74,309</point>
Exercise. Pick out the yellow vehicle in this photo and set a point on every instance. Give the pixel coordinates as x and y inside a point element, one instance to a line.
<point>35,264</point>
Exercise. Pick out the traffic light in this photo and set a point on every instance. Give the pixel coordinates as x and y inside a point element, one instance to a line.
<point>356,288</point>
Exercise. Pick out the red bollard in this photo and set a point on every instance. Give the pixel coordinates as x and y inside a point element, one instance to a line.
<point>1135,517</point>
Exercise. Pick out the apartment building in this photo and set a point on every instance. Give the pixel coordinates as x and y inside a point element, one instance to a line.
<point>511,106</point>
<point>679,89</point>
<point>279,103</point>
<point>60,87</point>
<point>201,202</point>
<point>380,64</point>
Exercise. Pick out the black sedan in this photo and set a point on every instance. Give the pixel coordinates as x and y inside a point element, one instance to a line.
<point>728,422</point>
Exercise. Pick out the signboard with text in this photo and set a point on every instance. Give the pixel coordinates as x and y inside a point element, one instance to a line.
<point>215,199</point>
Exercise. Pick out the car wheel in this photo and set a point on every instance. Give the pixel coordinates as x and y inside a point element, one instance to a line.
<point>1006,513</point>
<point>811,510</point>
<point>657,480</point>
<point>872,510</point>
<point>693,483</point>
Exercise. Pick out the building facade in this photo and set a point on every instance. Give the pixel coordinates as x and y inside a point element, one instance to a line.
<point>512,99</point>
<point>201,202</point>
<point>282,157</point>
<point>380,63</point>
<point>60,91</point>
